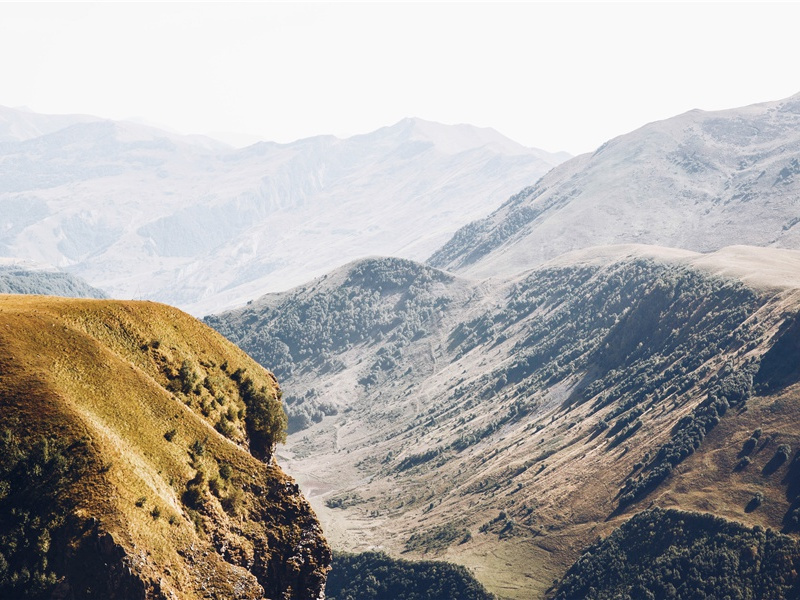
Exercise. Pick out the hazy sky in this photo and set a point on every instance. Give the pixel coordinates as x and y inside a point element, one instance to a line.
<point>562,76</point>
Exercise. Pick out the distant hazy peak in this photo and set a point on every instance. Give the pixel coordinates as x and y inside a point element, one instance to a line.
<point>18,125</point>
<point>699,181</point>
<point>454,139</point>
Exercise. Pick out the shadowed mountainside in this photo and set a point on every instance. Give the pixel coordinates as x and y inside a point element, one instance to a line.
<point>21,279</point>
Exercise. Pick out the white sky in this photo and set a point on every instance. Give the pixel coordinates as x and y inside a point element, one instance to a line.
<point>564,76</point>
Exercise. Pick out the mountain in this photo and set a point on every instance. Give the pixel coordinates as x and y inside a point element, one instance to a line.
<point>505,424</point>
<point>143,213</point>
<point>28,278</point>
<point>17,125</point>
<point>699,181</point>
<point>136,460</point>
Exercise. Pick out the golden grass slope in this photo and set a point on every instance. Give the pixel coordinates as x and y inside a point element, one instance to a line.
<point>185,510</point>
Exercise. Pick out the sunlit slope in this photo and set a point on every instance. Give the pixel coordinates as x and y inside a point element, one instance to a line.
<point>161,421</point>
<point>504,424</point>
<point>700,181</point>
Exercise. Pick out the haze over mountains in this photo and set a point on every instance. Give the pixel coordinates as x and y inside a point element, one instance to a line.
<point>186,220</point>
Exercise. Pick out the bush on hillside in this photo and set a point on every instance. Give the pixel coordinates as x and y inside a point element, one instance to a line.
<point>685,556</point>
<point>374,575</point>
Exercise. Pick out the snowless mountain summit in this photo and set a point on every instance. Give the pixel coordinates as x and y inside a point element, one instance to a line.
<point>17,125</point>
<point>190,221</point>
<point>699,181</point>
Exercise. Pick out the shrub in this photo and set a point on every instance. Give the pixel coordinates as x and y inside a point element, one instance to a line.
<point>749,445</point>
<point>233,502</point>
<point>197,448</point>
<point>755,502</point>
<point>784,450</point>
<point>193,497</point>
<point>215,486</point>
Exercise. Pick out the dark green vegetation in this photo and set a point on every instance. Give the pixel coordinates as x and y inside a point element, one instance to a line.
<point>18,280</point>
<point>477,239</point>
<point>35,477</point>
<point>640,332</point>
<point>659,555</point>
<point>376,576</point>
<point>390,301</point>
<point>562,399</point>
<point>731,387</point>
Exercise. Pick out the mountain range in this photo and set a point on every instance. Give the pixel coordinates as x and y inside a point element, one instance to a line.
<point>589,391</point>
<point>619,335</point>
<point>143,213</point>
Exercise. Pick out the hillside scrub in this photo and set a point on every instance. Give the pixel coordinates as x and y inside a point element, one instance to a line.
<point>731,387</point>
<point>661,554</point>
<point>35,477</point>
<point>388,300</point>
<point>376,575</point>
<point>17,280</point>
<point>646,331</point>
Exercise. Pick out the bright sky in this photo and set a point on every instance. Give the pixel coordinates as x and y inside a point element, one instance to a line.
<point>564,76</point>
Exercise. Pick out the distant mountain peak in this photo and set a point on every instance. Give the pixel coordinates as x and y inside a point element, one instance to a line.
<point>700,181</point>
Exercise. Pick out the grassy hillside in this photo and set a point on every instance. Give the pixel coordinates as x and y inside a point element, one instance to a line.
<point>153,437</point>
<point>516,421</point>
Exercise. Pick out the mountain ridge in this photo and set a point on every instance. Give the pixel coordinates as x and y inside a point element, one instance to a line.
<point>728,174</point>
<point>140,428</point>
<point>184,219</point>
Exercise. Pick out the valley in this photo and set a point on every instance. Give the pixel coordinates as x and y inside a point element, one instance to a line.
<point>500,424</point>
